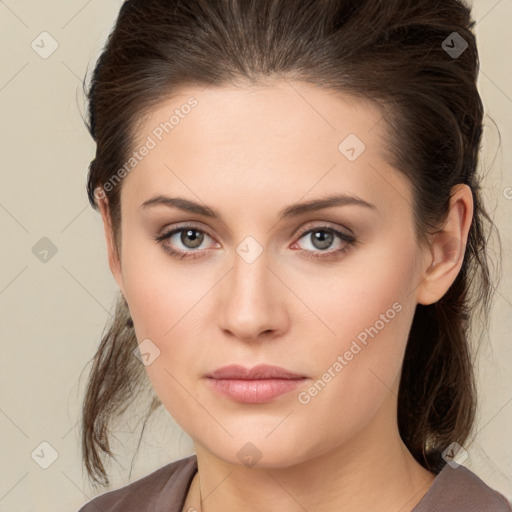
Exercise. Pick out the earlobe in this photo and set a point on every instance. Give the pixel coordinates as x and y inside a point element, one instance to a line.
<point>447,247</point>
<point>113,256</point>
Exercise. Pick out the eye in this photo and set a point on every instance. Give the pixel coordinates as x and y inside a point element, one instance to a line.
<point>191,238</point>
<point>188,236</point>
<point>323,237</point>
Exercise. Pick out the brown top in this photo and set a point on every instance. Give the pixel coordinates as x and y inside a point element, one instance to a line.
<point>165,490</point>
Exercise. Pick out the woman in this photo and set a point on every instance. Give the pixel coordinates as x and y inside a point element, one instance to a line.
<point>294,221</point>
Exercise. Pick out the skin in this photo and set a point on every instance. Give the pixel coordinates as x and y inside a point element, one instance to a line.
<point>248,152</point>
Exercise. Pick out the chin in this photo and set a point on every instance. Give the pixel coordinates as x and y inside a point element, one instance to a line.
<point>258,452</point>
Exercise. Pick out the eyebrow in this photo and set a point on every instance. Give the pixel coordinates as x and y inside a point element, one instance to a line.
<point>293,210</point>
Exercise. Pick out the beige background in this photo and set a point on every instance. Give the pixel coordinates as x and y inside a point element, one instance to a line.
<point>52,314</point>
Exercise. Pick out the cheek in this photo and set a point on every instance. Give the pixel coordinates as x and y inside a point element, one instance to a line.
<point>357,376</point>
<point>160,291</point>
<point>167,312</point>
<point>166,303</point>
<point>369,313</point>
<point>369,293</point>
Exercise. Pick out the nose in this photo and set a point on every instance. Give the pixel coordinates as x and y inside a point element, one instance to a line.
<point>253,301</point>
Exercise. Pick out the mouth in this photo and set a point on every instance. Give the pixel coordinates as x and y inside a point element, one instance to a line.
<point>260,384</point>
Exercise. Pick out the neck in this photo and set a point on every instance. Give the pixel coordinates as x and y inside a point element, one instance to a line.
<point>371,471</point>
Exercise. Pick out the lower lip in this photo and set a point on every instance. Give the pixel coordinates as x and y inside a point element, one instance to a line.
<point>254,391</point>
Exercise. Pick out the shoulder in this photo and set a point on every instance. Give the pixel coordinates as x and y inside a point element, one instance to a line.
<point>458,489</point>
<point>162,490</point>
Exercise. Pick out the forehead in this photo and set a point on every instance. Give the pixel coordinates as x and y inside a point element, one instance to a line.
<point>278,136</point>
<point>256,113</point>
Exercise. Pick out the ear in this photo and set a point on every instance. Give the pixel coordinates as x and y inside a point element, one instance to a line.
<point>113,256</point>
<point>447,248</point>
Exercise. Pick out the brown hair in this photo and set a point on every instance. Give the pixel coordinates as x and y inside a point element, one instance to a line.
<point>391,53</point>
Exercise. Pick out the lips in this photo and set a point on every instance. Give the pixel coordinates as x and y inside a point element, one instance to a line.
<point>260,384</point>
<point>262,371</point>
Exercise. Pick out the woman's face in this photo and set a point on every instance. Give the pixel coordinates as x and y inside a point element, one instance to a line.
<point>327,294</point>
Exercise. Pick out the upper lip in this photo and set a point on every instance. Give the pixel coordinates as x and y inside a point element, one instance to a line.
<point>261,371</point>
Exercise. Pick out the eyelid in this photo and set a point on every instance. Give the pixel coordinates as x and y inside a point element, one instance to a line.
<point>326,225</point>
<point>165,233</point>
<point>349,238</point>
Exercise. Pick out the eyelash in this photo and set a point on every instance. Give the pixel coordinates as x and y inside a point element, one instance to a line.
<point>180,255</point>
